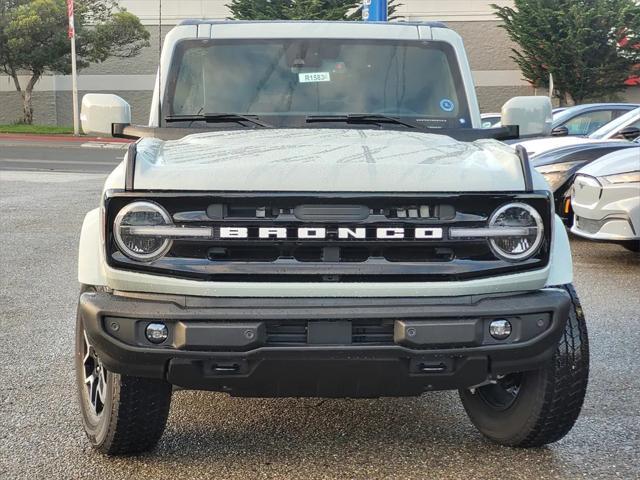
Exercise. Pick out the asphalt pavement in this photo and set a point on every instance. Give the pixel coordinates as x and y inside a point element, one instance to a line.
<point>60,156</point>
<point>211,435</point>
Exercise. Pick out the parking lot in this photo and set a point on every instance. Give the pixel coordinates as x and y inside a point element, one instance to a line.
<point>211,435</point>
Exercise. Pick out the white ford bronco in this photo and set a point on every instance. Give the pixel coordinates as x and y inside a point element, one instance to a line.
<point>314,210</point>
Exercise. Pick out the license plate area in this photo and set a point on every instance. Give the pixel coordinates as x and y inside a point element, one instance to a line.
<point>329,333</point>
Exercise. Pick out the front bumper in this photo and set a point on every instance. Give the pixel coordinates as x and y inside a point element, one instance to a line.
<point>608,213</point>
<point>331,347</point>
<point>615,228</point>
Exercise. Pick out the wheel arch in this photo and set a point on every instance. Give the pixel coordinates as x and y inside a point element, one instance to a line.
<point>561,264</point>
<point>90,265</point>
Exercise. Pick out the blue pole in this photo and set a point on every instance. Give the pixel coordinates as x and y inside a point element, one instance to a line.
<point>374,10</point>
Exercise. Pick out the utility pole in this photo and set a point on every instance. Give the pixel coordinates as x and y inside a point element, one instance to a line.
<point>375,10</point>
<point>74,72</point>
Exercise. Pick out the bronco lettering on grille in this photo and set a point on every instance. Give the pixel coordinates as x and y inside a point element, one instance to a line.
<point>320,233</point>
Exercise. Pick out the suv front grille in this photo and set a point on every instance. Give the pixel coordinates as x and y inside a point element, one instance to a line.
<point>332,258</point>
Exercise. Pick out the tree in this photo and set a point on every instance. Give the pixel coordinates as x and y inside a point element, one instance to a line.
<point>33,39</point>
<point>590,46</point>
<point>300,9</point>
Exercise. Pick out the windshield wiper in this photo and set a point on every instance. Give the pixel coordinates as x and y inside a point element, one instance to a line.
<point>372,118</point>
<point>218,118</point>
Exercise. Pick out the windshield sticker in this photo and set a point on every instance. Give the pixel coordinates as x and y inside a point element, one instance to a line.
<point>315,77</point>
<point>447,105</point>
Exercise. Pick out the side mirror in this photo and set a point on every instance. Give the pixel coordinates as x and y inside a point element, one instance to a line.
<point>532,114</point>
<point>561,131</point>
<point>629,133</point>
<point>99,111</point>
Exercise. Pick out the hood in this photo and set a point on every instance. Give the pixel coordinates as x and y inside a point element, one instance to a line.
<point>316,160</point>
<point>627,160</point>
<point>541,145</point>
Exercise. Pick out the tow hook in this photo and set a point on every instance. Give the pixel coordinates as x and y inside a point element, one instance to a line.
<point>432,367</point>
<point>225,368</point>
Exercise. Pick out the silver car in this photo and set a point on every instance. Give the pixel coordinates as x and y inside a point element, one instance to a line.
<point>606,199</point>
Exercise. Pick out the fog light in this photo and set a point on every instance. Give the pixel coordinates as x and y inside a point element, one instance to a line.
<point>500,329</point>
<point>156,332</point>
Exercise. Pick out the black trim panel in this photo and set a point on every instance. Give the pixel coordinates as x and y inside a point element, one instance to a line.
<point>134,132</point>
<point>375,269</point>
<point>526,167</point>
<point>130,168</point>
<point>322,370</point>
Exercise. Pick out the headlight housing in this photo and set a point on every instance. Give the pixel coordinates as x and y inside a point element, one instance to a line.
<point>558,173</point>
<point>132,240</point>
<point>523,231</point>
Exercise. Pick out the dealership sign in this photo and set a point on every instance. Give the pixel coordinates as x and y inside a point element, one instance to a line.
<point>374,10</point>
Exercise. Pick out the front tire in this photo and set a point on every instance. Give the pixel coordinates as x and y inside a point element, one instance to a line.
<point>121,414</point>
<point>535,408</point>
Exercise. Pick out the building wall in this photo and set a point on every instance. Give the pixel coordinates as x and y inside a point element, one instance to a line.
<point>497,77</point>
<point>45,107</point>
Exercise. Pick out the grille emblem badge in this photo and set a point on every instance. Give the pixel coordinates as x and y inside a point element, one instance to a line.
<point>321,233</point>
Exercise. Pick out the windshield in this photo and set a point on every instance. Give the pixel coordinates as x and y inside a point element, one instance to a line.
<point>611,128</point>
<point>303,77</point>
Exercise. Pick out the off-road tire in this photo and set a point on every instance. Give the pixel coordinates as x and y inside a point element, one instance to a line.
<point>134,412</point>
<point>548,401</point>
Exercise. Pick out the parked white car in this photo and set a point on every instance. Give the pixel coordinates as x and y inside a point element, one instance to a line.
<point>606,199</point>
<point>490,120</point>
<point>625,127</point>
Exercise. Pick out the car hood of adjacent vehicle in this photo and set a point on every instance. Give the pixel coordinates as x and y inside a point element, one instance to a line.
<point>326,160</point>
<point>539,146</point>
<point>627,160</point>
<point>578,152</point>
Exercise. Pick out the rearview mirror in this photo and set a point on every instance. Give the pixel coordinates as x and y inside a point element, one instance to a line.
<point>100,111</point>
<point>560,131</point>
<point>532,114</point>
<point>629,133</point>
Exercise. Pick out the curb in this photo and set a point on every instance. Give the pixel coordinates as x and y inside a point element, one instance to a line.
<point>29,137</point>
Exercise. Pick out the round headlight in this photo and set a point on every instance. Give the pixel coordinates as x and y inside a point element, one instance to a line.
<point>144,248</point>
<point>522,217</point>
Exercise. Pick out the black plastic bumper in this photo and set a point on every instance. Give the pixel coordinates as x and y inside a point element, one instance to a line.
<point>354,347</point>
